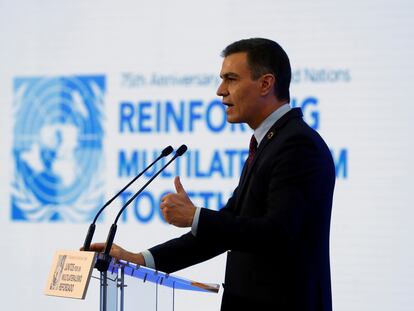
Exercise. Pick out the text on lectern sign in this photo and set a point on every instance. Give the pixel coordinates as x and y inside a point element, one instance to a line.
<point>70,274</point>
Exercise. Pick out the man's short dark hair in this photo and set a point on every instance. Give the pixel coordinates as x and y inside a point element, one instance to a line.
<point>265,56</point>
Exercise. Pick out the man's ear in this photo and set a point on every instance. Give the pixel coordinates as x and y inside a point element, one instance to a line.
<point>267,83</point>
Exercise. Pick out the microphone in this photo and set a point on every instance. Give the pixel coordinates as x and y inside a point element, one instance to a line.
<point>104,259</point>
<point>91,230</point>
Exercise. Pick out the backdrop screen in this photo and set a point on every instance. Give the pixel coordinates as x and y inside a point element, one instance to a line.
<point>92,91</point>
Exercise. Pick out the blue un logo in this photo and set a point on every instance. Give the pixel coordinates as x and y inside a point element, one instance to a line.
<point>57,148</point>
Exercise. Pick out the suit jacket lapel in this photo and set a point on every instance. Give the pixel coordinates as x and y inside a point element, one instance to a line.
<point>271,134</point>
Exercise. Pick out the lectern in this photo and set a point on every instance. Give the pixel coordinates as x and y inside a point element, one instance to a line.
<point>126,286</point>
<point>123,285</point>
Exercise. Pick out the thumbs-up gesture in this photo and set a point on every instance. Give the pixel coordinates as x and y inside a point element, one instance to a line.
<point>177,208</point>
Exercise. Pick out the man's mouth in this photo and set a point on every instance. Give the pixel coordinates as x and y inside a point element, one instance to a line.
<point>228,104</point>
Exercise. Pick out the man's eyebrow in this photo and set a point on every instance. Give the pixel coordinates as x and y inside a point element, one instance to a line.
<point>229,75</point>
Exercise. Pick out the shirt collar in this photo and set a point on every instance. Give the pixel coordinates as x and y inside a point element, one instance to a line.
<point>264,127</point>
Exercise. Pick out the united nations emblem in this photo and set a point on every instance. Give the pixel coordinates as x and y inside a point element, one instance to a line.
<point>57,148</point>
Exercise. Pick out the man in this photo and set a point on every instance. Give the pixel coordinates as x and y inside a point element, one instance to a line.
<point>275,227</point>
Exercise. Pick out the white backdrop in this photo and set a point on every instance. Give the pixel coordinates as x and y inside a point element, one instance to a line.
<point>353,77</point>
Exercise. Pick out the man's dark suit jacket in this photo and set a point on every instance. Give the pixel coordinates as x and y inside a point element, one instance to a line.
<point>275,227</point>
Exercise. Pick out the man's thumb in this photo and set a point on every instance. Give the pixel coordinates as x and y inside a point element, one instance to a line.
<point>178,186</point>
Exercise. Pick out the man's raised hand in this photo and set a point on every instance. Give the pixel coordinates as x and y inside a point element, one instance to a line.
<point>177,208</point>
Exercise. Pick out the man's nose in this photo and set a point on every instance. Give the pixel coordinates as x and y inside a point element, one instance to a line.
<point>222,91</point>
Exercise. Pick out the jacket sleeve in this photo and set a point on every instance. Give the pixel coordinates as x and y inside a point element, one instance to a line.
<point>188,250</point>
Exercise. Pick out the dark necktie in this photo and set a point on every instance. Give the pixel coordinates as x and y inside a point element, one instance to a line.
<point>252,150</point>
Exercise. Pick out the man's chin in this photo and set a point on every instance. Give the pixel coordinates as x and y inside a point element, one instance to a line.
<point>233,119</point>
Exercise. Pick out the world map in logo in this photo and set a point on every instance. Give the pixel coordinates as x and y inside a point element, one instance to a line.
<point>57,148</point>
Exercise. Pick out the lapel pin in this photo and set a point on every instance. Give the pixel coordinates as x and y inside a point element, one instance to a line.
<point>270,135</point>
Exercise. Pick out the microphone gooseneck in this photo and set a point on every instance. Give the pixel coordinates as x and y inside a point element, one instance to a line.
<point>103,261</point>
<point>91,230</point>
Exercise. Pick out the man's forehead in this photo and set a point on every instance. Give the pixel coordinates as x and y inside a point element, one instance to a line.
<point>234,64</point>
<point>235,58</point>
